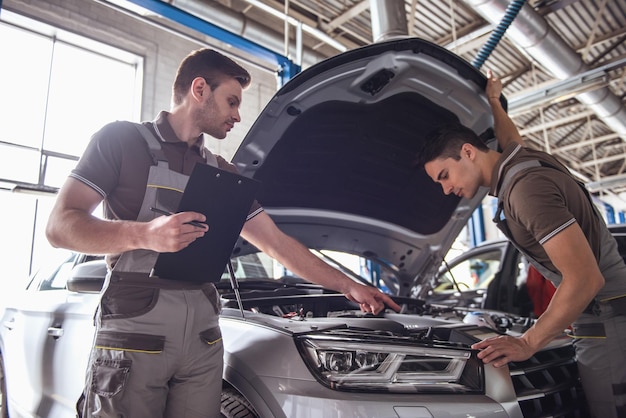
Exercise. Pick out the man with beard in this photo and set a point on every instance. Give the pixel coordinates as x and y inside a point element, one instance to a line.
<point>158,350</point>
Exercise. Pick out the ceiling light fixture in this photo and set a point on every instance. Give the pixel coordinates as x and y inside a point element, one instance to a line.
<point>607,183</point>
<point>562,90</point>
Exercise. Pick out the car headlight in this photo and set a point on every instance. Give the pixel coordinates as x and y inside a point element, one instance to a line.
<point>365,366</point>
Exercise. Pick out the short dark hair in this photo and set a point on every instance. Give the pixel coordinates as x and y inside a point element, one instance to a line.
<point>210,65</point>
<point>446,141</point>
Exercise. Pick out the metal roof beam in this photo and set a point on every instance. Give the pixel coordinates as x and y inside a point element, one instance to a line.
<point>187,19</point>
<point>609,159</point>
<point>351,13</point>
<point>586,143</point>
<point>558,122</point>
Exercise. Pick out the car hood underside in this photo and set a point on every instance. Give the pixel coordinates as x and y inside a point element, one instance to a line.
<point>335,152</point>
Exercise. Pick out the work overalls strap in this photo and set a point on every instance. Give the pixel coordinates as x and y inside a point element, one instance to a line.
<point>501,223</point>
<point>163,191</point>
<point>610,262</point>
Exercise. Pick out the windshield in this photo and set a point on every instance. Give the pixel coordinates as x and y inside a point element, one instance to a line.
<point>261,266</point>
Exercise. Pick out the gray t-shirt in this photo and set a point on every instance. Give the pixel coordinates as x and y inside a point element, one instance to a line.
<point>117,161</point>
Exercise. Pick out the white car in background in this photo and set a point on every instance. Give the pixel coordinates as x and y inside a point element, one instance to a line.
<point>334,153</point>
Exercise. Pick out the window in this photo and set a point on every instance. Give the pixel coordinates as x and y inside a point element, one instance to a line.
<point>53,275</point>
<point>475,272</point>
<point>261,266</point>
<point>57,89</point>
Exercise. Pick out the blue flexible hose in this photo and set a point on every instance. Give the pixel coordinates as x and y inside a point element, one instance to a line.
<point>509,15</point>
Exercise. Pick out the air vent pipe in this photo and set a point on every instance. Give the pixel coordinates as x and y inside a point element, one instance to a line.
<point>388,20</point>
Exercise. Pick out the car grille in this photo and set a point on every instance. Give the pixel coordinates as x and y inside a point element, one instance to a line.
<point>547,385</point>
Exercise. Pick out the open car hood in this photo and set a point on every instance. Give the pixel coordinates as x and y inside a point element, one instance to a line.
<point>335,148</point>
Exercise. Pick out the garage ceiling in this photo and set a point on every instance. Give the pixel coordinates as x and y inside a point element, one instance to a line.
<point>563,63</point>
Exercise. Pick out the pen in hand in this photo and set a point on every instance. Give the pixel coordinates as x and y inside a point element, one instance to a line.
<point>167,213</point>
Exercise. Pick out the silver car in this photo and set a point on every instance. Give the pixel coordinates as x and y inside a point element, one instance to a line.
<point>334,151</point>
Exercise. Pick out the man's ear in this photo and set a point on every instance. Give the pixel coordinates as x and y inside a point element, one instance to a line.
<point>468,150</point>
<point>199,88</point>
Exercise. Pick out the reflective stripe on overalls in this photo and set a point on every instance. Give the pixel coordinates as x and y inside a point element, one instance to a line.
<point>599,338</point>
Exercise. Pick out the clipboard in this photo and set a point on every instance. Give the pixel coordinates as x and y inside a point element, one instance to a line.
<point>225,199</point>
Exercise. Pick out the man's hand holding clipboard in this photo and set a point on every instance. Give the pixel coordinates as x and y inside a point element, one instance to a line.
<point>224,198</point>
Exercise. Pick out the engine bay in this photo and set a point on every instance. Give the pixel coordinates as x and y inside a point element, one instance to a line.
<point>305,302</point>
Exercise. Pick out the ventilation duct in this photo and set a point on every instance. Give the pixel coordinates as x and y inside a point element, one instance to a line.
<point>388,20</point>
<point>530,32</point>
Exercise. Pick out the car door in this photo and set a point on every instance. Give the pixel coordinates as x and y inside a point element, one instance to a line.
<point>26,320</point>
<point>490,276</point>
<point>72,337</point>
<point>67,346</point>
<point>464,281</point>
<point>47,336</point>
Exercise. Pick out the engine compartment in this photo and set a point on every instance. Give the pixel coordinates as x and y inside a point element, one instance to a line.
<point>306,302</point>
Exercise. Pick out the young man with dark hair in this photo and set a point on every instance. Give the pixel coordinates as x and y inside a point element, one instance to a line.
<point>551,218</point>
<point>157,350</point>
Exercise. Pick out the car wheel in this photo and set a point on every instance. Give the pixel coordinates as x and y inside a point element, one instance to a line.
<point>235,406</point>
<point>4,407</point>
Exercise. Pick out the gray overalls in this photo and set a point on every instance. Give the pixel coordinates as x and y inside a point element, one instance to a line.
<point>599,332</point>
<point>158,350</point>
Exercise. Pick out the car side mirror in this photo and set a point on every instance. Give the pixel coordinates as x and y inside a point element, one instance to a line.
<point>87,277</point>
